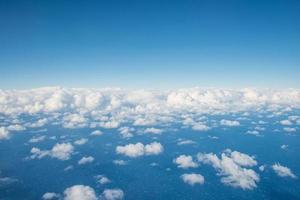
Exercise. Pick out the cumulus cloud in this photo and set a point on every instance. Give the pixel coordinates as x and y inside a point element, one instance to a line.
<point>185,142</point>
<point>184,161</point>
<point>283,171</point>
<point>81,141</point>
<point>85,160</point>
<point>193,178</point>
<point>231,166</point>
<point>289,129</point>
<point>126,132</point>
<point>139,149</point>
<point>225,122</point>
<point>61,151</point>
<point>4,133</point>
<point>102,179</point>
<point>153,130</point>
<point>36,139</point>
<point>286,122</point>
<point>50,195</point>
<point>112,194</point>
<point>80,192</point>
<point>96,133</point>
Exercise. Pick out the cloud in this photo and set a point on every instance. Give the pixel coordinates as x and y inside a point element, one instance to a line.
<point>102,179</point>
<point>80,192</point>
<point>81,141</point>
<point>284,146</point>
<point>4,133</point>
<point>126,132</point>
<point>50,195</point>
<point>185,142</point>
<point>86,159</point>
<point>36,139</point>
<point>193,178</point>
<point>286,122</point>
<point>200,127</point>
<point>139,149</point>
<point>96,133</point>
<point>119,162</point>
<point>112,194</point>
<point>153,130</point>
<point>225,122</point>
<point>283,171</point>
<point>289,129</point>
<point>231,166</point>
<point>61,151</point>
<point>184,161</point>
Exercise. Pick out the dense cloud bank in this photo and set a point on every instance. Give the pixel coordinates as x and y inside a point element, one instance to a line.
<point>114,108</point>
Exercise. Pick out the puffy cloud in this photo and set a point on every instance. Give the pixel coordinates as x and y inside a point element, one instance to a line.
<point>50,195</point>
<point>225,122</point>
<point>80,192</point>
<point>61,151</point>
<point>253,132</point>
<point>126,132</point>
<point>102,179</point>
<point>184,161</point>
<point>231,167</point>
<point>284,146</point>
<point>153,130</point>
<point>139,149</point>
<point>283,171</point>
<point>286,122</point>
<point>112,194</point>
<point>97,133</point>
<point>289,129</point>
<point>36,139</point>
<point>112,108</point>
<point>4,133</point>
<point>193,178</point>
<point>81,141</point>
<point>85,160</point>
<point>119,162</point>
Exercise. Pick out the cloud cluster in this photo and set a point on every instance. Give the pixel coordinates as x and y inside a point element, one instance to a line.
<point>139,149</point>
<point>112,108</point>
<point>193,178</point>
<point>232,167</point>
<point>283,171</point>
<point>184,161</point>
<point>61,151</point>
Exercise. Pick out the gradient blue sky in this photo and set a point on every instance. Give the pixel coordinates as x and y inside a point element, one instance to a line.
<point>150,44</point>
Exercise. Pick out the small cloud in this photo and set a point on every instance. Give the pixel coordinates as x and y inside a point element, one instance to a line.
<point>85,160</point>
<point>81,141</point>
<point>193,178</point>
<point>225,122</point>
<point>36,139</point>
<point>139,149</point>
<point>153,130</point>
<point>80,192</point>
<point>50,196</point>
<point>112,194</point>
<point>184,161</point>
<point>97,133</point>
<point>102,179</point>
<point>283,171</point>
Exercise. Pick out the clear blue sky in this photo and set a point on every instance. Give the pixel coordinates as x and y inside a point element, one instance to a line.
<point>150,44</point>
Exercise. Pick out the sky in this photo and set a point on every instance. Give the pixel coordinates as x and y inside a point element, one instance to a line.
<point>150,44</point>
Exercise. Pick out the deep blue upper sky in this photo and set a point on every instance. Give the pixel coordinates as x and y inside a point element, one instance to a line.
<point>150,44</point>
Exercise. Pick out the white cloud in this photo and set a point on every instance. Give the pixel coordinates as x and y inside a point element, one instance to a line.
<point>286,122</point>
<point>200,127</point>
<point>102,179</point>
<point>193,178</point>
<point>284,146</point>
<point>50,195</point>
<point>80,192</point>
<point>153,130</point>
<point>184,161</point>
<point>85,160</point>
<point>4,133</point>
<point>225,122</point>
<point>253,132</point>
<point>112,194</point>
<point>126,132</point>
<point>119,162</point>
<point>81,141</point>
<point>61,151</point>
<point>185,142</point>
<point>97,133</point>
<point>36,139</point>
<point>289,129</point>
<point>283,171</point>
<point>139,149</point>
<point>230,167</point>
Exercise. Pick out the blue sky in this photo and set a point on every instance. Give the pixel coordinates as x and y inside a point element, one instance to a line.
<point>150,44</point>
